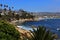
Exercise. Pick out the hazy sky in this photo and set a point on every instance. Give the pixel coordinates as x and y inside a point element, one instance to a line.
<point>34,5</point>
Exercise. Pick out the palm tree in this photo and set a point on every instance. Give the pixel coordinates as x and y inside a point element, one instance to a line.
<point>10,12</point>
<point>4,11</point>
<point>5,8</point>
<point>12,7</point>
<point>9,8</point>
<point>1,5</point>
<point>13,12</point>
<point>1,8</point>
<point>42,34</point>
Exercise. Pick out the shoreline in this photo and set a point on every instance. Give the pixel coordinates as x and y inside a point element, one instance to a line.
<point>19,27</point>
<point>23,20</point>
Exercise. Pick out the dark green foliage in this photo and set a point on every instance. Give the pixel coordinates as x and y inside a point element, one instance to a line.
<point>17,16</point>
<point>8,32</point>
<point>26,15</point>
<point>42,34</point>
<point>0,15</point>
<point>10,15</point>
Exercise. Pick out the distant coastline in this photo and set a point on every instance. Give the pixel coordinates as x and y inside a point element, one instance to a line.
<point>36,19</point>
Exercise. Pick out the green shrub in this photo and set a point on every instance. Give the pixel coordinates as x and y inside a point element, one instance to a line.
<point>8,31</point>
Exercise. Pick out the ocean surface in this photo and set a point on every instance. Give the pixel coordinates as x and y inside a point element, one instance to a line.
<point>52,24</point>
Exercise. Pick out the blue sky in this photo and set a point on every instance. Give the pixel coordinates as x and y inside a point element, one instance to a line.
<point>34,5</point>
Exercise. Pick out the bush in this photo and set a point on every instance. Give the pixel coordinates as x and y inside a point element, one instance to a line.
<point>41,33</point>
<point>8,31</point>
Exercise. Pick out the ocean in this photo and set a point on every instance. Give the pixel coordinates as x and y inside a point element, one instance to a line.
<point>52,24</point>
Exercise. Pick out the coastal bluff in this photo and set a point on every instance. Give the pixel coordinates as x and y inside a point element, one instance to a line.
<point>24,33</point>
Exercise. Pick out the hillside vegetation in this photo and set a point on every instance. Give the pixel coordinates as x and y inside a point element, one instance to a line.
<point>8,32</point>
